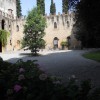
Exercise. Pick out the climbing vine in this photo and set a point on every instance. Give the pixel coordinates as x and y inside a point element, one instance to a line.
<point>3,37</point>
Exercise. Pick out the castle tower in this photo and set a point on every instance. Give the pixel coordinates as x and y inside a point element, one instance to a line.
<point>8,7</point>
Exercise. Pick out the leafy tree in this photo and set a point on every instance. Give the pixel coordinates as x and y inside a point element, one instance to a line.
<point>65,6</point>
<point>52,8</point>
<point>34,30</point>
<point>18,8</point>
<point>88,23</point>
<point>41,4</point>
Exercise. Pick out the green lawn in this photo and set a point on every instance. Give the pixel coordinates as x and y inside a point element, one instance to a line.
<point>93,55</point>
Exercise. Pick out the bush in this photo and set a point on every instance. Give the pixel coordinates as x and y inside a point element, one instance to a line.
<point>64,44</point>
<point>25,81</point>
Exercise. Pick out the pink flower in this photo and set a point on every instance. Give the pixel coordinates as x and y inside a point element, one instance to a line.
<point>43,77</point>
<point>21,77</point>
<point>21,70</point>
<point>17,88</point>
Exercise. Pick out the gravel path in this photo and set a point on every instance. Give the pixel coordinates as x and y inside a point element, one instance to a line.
<point>62,64</point>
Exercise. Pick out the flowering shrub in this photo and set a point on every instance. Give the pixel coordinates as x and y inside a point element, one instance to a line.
<point>25,81</point>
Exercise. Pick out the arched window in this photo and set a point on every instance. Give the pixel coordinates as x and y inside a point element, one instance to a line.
<point>17,28</point>
<point>67,23</point>
<point>3,24</point>
<point>55,25</point>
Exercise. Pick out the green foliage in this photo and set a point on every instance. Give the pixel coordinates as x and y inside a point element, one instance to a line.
<point>41,4</point>
<point>52,8</point>
<point>25,81</point>
<point>65,6</point>
<point>34,30</point>
<point>64,43</point>
<point>3,37</point>
<point>87,23</point>
<point>18,8</point>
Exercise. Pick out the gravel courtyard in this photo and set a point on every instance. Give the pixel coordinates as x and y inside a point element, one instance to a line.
<point>62,64</point>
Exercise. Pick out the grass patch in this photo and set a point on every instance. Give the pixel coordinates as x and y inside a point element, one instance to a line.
<point>93,55</point>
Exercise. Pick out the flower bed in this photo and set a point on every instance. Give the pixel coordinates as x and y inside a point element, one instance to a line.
<point>25,81</point>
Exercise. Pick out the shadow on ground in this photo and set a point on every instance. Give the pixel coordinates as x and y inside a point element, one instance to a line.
<point>66,64</point>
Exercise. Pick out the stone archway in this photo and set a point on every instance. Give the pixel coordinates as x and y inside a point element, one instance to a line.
<point>55,42</point>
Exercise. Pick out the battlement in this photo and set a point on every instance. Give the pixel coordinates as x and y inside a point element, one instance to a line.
<point>59,15</point>
<point>60,18</point>
<point>8,7</point>
<point>21,18</point>
<point>10,16</point>
<point>55,15</point>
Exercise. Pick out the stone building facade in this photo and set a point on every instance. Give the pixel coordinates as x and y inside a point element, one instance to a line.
<point>58,29</point>
<point>10,23</point>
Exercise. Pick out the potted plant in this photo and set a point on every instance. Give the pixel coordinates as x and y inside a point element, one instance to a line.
<point>63,44</point>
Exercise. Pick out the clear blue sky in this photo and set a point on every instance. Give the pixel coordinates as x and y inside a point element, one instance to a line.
<point>29,4</point>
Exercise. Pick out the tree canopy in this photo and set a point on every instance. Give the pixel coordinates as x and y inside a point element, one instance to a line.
<point>65,6</point>
<point>18,8</point>
<point>41,4</point>
<point>87,24</point>
<point>52,8</point>
<point>34,30</point>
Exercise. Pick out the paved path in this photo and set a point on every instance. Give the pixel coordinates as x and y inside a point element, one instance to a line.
<point>63,64</point>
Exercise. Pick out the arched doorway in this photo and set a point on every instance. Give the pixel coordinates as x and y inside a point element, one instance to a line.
<point>2,27</point>
<point>3,24</point>
<point>55,25</point>
<point>55,42</point>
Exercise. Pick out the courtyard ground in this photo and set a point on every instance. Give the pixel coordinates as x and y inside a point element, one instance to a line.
<point>63,64</point>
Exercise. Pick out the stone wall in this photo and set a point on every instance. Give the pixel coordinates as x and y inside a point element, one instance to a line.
<point>58,26</point>
<point>8,6</point>
<point>17,33</point>
<point>64,24</point>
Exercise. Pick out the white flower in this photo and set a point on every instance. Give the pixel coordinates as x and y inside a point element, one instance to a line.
<point>43,76</point>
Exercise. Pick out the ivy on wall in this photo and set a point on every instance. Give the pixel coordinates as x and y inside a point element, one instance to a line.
<point>3,37</point>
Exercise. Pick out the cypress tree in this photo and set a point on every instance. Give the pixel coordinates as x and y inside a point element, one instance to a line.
<point>65,6</point>
<point>18,8</point>
<point>41,4</point>
<point>52,8</point>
